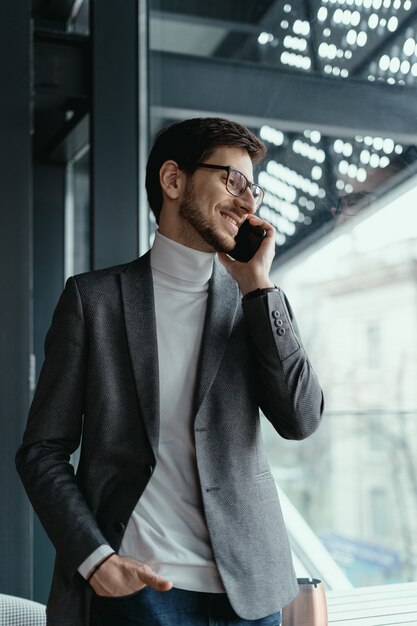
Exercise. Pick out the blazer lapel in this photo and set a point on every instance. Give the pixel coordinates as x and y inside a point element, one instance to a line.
<point>222,302</point>
<point>140,321</point>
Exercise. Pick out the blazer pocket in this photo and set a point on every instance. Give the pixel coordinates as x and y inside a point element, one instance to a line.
<point>266,488</point>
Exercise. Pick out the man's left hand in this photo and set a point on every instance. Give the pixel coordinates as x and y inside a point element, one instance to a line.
<point>255,273</point>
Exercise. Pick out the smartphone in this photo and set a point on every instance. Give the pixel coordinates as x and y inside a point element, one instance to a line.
<point>248,240</point>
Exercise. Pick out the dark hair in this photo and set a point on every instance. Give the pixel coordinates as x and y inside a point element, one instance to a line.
<point>191,141</point>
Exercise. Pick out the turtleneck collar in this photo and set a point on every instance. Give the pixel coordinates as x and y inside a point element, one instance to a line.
<point>180,262</point>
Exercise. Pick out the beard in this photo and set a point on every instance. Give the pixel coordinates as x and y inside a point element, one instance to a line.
<point>196,216</point>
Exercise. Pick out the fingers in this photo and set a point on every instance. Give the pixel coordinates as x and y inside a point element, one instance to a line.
<point>254,220</point>
<point>121,576</point>
<point>226,260</point>
<point>148,576</point>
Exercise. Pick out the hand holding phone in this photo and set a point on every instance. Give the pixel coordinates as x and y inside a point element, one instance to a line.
<point>248,240</point>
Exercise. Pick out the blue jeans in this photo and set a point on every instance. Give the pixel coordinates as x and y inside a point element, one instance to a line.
<point>171,608</point>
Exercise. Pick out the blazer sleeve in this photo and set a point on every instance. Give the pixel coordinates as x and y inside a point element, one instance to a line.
<point>290,395</point>
<point>53,433</point>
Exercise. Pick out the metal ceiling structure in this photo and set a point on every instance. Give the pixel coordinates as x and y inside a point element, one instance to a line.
<point>330,86</point>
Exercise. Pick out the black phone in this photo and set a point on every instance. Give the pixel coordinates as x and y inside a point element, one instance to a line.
<point>248,240</point>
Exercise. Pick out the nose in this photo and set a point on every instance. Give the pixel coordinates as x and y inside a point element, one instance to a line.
<point>247,201</point>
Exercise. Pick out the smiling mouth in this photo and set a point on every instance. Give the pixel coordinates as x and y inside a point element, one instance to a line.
<point>231,220</point>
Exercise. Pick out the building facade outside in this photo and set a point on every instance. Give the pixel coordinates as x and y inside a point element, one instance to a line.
<point>355,480</point>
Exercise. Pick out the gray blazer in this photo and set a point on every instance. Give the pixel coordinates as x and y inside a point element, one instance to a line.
<point>99,388</point>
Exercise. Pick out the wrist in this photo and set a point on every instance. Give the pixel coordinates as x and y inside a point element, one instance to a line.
<point>250,286</point>
<point>98,566</point>
<point>258,292</point>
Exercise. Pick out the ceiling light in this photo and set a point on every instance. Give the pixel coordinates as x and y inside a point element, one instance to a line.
<point>343,167</point>
<point>263,38</point>
<point>338,16</point>
<point>394,65</point>
<point>347,149</point>
<point>362,38</point>
<point>374,160</point>
<point>351,37</point>
<point>392,24</point>
<point>409,47</point>
<point>280,239</point>
<point>322,14</point>
<point>405,66</point>
<point>384,62</point>
<point>365,156</point>
<point>361,174</point>
<point>352,170</point>
<point>272,135</point>
<point>315,136</point>
<point>316,172</point>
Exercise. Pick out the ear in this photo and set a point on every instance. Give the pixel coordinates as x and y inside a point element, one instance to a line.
<point>171,179</point>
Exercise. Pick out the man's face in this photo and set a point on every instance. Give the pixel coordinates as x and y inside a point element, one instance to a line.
<point>210,214</point>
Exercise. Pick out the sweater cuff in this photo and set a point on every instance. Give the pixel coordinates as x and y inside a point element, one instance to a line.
<point>88,566</point>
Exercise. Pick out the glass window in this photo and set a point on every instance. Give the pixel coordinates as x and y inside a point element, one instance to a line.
<point>373,340</point>
<point>356,477</point>
<point>316,81</point>
<point>379,505</point>
<point>77,215</point>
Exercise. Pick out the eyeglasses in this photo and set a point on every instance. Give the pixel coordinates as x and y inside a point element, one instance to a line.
<point>237,183</point>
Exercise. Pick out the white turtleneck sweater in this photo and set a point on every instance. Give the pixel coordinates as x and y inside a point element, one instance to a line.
<point>167,529</point>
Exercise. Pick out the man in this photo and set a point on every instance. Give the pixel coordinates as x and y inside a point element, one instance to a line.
<point>159,369</point>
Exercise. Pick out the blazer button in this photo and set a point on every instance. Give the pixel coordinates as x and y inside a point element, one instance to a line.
<point>276,314</point>
<point>149,470</point>
<point>278,322</point>
<point>281,331</point>
<point>119,527</point>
